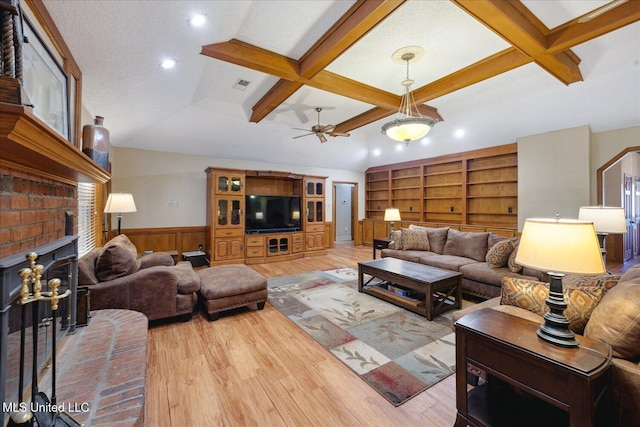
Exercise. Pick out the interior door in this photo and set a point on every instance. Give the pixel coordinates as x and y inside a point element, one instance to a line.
<point>636,215</point>
<point>629,239</point>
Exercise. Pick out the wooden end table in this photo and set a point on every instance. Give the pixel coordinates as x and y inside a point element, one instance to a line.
<point>529,381</point>
<point>380,244</point>
<point>439,290</point>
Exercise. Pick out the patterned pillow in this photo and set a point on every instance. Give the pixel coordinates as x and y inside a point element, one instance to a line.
<point>396,240</point>
<point>511,263</point>
<point>415,239</point>
<point>499,253</point>
<point>607,281</point>
<point>531,295</point>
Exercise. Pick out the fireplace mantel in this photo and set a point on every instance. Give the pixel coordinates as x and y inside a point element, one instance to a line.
<point>31,145</point>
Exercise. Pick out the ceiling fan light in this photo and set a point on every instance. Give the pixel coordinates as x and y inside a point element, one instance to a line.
<point>323,139</point>
<point>408,129</point>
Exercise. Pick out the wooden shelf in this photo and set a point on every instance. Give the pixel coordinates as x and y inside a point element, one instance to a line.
<point>31,145</point>
<point>379,290</point>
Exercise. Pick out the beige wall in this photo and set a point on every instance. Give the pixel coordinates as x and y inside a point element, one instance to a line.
<point>557,170</point>
<point>157,178</point>
<point>553,174</point>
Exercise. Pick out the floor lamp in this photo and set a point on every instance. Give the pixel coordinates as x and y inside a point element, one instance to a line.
<point>120,203</point>
<point>606,220</point>
<point>559,247</point>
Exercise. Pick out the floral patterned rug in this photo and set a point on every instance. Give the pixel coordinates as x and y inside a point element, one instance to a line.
<point>399,353</point>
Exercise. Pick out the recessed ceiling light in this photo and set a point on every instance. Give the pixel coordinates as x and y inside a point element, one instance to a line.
<point>460,133</point>
<point>376,152</point>
<point>197,20</point>
<point>168,63</point>
<point>399,147</point>
<point>425,141</point>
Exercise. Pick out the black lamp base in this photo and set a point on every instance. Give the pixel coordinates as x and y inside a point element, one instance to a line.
<point>555,329</point>
<point>119,223</point>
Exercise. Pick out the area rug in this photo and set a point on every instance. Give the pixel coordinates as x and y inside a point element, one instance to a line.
<point>399,353</point>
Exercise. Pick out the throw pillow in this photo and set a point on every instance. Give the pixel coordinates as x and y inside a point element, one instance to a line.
<point>466,244</point>
<point>437,239</point>
<point>616,321</point>
<point>396,240</point>
<point>531,295</point>
<point>416,240</point>
<point>117,258</point>
<point>499,254</point>
<point>606,281</point>
<point>511,262</point>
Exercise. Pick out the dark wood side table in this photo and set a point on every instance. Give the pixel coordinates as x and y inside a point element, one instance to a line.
<point>380,244</point>
<point>529,381</point>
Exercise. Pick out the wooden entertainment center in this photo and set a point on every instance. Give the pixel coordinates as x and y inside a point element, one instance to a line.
<point>227,239</point>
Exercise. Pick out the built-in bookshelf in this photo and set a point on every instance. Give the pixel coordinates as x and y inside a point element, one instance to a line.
<point>473,188</point>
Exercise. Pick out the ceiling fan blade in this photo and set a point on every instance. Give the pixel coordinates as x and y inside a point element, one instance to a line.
<point>306,130</point>
<point>338,133</point>
<point>300,136</point>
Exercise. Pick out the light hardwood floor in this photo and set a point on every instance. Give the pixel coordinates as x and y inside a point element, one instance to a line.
<point>255,368</point>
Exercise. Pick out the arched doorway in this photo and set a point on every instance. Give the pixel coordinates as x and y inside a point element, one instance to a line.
<point>618,184</point>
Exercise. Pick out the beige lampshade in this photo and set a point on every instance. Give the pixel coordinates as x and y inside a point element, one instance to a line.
<point>605,219</point>
<point>392,214</point>
<point>560,246</point>
<point>120,203</point>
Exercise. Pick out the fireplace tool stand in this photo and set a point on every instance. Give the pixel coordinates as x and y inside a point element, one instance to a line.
<point>42,412</point>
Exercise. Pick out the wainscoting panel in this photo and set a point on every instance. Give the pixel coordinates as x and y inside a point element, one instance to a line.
<point>181,239</point>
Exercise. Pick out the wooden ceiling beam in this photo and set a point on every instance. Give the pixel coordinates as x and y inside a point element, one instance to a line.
<point>361,18</point>
<point>512,21</point>
<point>351,27</point>
<point>249,56</point>
<point>494,65</point>
<point>574,33</point>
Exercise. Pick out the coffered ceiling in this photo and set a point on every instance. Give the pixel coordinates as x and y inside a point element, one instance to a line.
<point>496,70</point>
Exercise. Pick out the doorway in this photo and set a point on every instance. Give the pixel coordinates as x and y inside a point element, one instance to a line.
<point>345,206</point>
<point>618,183</point>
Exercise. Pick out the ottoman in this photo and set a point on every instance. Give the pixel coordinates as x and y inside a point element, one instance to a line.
<point>231,286</point>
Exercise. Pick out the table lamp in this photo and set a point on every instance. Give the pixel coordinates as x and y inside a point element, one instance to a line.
<point>120,203</point>
<point>606,220</point>
<point>559,246</point>
<point>392,214</point>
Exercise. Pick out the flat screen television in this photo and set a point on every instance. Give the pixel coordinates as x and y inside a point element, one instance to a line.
<point>272,214</point>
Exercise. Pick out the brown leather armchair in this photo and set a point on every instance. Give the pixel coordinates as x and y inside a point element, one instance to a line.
<point>151,284</point>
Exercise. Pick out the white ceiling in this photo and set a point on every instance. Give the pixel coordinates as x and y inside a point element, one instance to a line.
<point>193,108</point>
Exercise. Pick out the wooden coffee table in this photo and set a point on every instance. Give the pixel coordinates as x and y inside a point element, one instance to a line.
<point>433,290</point>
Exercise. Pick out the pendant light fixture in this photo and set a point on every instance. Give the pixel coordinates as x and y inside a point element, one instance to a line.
<point>409,124</point>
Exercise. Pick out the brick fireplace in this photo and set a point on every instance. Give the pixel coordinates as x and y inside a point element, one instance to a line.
<point>32,210</point>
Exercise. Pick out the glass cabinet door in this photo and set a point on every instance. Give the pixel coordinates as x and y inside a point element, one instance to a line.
<point>223,212</point>
<point>223,184</point>
<point>315,188</point>
<point>229,212</point>
<point>319,211</point>
<point>236,212</point>
<point>236,184</point>
<point>311,212</point>
<point>229,184</point>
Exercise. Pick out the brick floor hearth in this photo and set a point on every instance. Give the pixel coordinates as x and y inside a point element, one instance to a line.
<point>102,369</point>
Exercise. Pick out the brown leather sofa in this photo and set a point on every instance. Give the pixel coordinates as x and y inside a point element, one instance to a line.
<point>118,278</point>
<point>616,321</point>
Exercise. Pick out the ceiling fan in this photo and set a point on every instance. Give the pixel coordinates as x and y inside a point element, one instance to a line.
<point>320,131</point>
